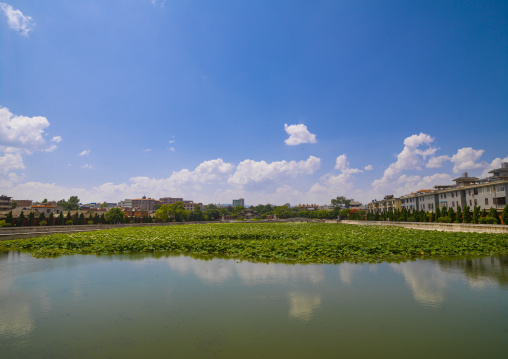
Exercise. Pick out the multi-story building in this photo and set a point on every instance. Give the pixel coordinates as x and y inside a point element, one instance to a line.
<point>46,209</point>
<point>145,204</point>
<point>24,203</point>
<point>238,202</point>
<point>388,204</point>
<point>5,203</point>
<point>187,204</point>
<point>170,200</point>
<point>486,193</point>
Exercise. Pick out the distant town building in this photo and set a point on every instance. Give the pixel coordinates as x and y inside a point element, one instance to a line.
<point>238,202</point>
<point>5,203</point>
<point>24,203</point>
<point>187,204</point>
<point>43,208</point>
<point>145,204</point>
<point>308,207</point>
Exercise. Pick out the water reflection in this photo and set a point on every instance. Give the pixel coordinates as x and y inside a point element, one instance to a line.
<point>481,272</point>
<point>302,305</point>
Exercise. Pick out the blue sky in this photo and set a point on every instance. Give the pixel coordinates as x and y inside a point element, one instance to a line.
<point>272,101</point>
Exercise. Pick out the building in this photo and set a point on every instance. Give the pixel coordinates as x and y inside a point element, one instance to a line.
<point>145,204</point>
<point>170,200</point>
<point>307,207</point>
<point>238,202</point>
<point>249,213</point>
<point>468,191</point>
<point>187,204</point>
<point>46,209</point>
<point>388,204</point>
<point>24,203</point>
<point>5,203</point>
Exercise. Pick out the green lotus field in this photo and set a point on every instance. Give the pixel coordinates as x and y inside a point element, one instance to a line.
<point>292,242</point>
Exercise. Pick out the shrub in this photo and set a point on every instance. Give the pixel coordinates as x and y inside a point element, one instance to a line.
<point>5,224</point>
<point>401,219</point>
<point>70,222</point>
<point>444,219</point>
<point>504,215</point>
<point>90,222</point>
<point>491,220</point>
<point>43,223</point>
<point>494,215</point>
<point>482,220</point>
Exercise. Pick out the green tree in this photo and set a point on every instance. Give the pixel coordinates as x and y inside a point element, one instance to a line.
<point>21,219</point>
<point>466,214</point>
<point>459,215</point>
<point>10,219</point>
<point>115,215</point>
<point>493,214</point>
<point>82,219</point>
<point>476,214</point>
<point>42,217</point>
<point>283,212</point>
<point>164,212</point>
<point>60,219</point>
<point>31,219</point>
<point>44,201</point>
<point>504,215</point>
<point>104,205</point>
<point>50,219</point>
<point>340,201</point>
<point>451,214</point>
<point>70,205</point>
<point>179,212</point>
<point>14,204</point>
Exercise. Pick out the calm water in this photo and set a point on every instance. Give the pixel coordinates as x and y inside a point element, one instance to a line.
<point>182,307</point>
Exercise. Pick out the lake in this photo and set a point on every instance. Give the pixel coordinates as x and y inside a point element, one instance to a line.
<point>131,306</point>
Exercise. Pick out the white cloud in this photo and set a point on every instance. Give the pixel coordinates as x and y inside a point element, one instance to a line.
<point>298,134</point>
<point>56,139</point>
<point>250,171</point>
<point>466,158</point>
<point>147,150</point>
<point>84,153</point>
<point>436,162</point>
<point>172,141</point>
<point>495,164</point>
<point>411,158</point>
<point>160,3</point>
<point>87,166</point>
<point>341,163</point>
<point>10,162</point>
<point>172,149</point>
<point>368,168</point>
<point>21,133</point>
<point>16,20</point>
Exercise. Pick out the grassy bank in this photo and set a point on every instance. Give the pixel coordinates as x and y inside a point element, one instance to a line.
<point>295,242</point>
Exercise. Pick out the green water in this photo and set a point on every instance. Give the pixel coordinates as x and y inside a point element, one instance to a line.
<point>183,307</point>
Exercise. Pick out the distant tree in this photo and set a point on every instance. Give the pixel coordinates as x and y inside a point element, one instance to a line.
<point>75,218</point>
<point>60,219</point>
<point>14,204</point>
<point>21,219</point>
<point>10,219</point>
<point>42,217</point>
<point>69,216</point>
<point>50,219</point>
<point>82,219</point>
<point>451,214</point>
<point>115,215</point>
<point>164,212</point>
<point>70,205</point>
<point>466,214</point>
<point>31,219</point>
<point>104,205</point>
<point>476,215</point>
<point>340,201</point>
<point>504,215</point>
<point>484,213</point>
<point>44,201</point>
<point>494,215</point>
<point>438,213</point>
<point>459,218</point>
<point>283,212</point>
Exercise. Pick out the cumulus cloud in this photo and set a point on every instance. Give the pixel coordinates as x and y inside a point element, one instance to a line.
<point>466,158</point>
<point>437,161</point>
<point>368,168</point>
<point>84,153</point>
<point>495,164</point>
<point>22,133</point>
<point>16,20</point>
<point>298,134</point>
<point>56,139</point>
<point>87,166</point>
<point>416,149</point>
<point>250,171</point>
<point>10,162</point>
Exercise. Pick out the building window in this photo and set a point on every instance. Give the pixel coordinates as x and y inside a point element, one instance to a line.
<point>475,202</point>
<point>475,191</point>
<point>486,201</point>
<point>444,195</point>
<point>453,194</point>
<point>470,204</point>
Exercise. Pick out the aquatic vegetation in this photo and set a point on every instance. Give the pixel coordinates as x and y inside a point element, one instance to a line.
<point>295,242</point>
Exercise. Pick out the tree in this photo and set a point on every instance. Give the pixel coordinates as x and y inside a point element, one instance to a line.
<point>10,219</point>
<point>21,219</point>
<point>60,219</point>
<point>493,214</point>
<point>71,205</point>
<point>179,212</point>
<point>451,214</point>
<point>44,201</point>
<point>114,215</point>
<point>42,217</point>
<point>50,219</point>
<point>504,215</point>
<point>31,219</point>
<point>283,212</point>
<point>164,212</point>
<point>459,215</point>
<point>14,204</point>
<point>340,201</point>
<point>476,214</point>
<point>466,213</point>
<point>104,205</point>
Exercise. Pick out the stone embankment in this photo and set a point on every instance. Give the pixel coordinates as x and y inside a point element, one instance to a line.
<point>449,227</point>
